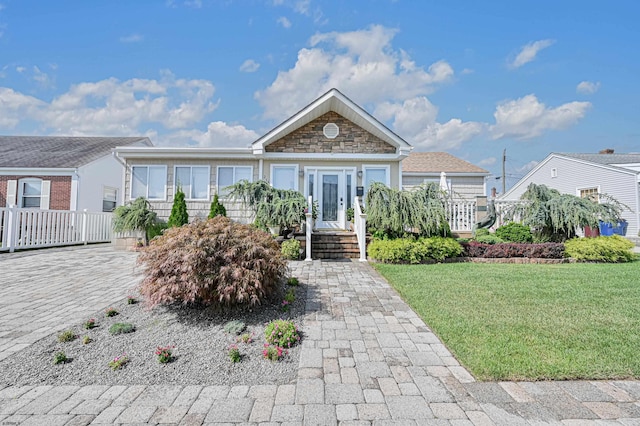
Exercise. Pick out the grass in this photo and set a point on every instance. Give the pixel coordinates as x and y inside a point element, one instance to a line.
<point>530,322</point>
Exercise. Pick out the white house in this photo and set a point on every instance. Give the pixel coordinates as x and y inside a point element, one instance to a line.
<point>616,175</point>
<point>62,173</point>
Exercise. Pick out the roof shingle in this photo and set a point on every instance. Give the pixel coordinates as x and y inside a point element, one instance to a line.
<point>436,162</point>
<point>58,151</point>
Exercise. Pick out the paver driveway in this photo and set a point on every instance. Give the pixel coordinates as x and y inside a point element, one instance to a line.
<point>366,359</point>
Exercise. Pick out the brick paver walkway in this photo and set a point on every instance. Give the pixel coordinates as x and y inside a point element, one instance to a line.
<point>367,359</point>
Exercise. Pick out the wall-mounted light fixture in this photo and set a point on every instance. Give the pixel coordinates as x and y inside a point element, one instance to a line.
<point>301,173</point>
<point>359,173</point>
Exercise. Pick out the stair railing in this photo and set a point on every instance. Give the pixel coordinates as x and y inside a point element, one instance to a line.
<point>308,229</point>
<point>360,225</point>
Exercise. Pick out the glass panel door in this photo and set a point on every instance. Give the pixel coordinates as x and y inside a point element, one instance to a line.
<point>329,198</point>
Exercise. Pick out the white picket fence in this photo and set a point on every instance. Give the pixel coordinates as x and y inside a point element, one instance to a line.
<point>32,228</point>
<point>461,215</point>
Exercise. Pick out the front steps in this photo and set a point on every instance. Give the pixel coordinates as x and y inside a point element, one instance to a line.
<point>334,245</point>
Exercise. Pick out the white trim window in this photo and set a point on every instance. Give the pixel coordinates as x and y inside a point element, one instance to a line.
<point>229,175</point>
<point>30,193</point>
<point>592,193</point>
<point>109,198</point>
<point>149,182</point>
<point>284,176</point>
<point>375,174</point>
<point>193,180</point>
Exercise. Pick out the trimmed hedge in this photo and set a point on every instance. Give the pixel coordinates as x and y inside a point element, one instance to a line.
<point>515,233</point>
<point>408,250</point>
<point>613,249</point>
<point>503,250</point>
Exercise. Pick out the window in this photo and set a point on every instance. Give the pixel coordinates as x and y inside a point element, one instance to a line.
<point>591,193</point>
<point>284,177</point>
<point>149,182</point>
<point>109,199</point>
<point>375,174</point>
<point>194,181</point>
<point>30,193</point>
<point>228,175</point>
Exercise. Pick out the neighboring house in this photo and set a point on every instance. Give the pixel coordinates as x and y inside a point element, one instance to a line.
<point>465,181</point>
<point>62,173</point>
<point>329,150</point>
<point>586,175</point>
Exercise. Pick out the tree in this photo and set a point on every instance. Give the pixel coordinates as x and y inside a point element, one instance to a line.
<point>136,216</point>
<point>216,208</point>
<point>179,215</point>
<point>553,216</point>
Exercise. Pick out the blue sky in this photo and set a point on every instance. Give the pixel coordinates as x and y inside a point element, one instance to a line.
<point>467,77</point>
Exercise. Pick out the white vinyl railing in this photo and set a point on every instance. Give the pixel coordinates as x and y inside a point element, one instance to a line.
<point>32,228</point>
<point>360,225</point>
<point>461,215</point>
<point>308,229</point>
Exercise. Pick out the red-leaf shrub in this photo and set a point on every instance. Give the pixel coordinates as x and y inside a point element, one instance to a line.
<point>505,250</point>
<point>214,262</point>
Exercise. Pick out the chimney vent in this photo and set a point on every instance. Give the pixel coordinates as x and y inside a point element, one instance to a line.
<point>606,151</point>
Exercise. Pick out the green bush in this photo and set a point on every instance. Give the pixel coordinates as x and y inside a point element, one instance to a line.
<point>480,232</point>
<point>156,229</point>
<point>282,333</point>
<point>179,215</point>
<point>234,327</point>
<point>216,208</point>
<point>612,249</point>
<point>489,239</point>
<point>515,233</point>
<point>408,250</point>
<point>214,262</point>
<point>121,328</point>
<point>290,249</point>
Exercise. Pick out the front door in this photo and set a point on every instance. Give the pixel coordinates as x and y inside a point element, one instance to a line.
<point>330,199</point>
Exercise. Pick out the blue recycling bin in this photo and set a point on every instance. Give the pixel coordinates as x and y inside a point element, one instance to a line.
<point>608,229</point>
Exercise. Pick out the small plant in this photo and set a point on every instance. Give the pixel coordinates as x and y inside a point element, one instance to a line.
<point>349,213</point>
<point>282,333</point>
<point>515,233</point>
<point>111,312</point>
<point>285,306</point>
<point>121,328</point>
<point>118,362</point>
<point>86,340</point>
<point>290,249</point>
<point>273,353</point>
<point>489,239</point>
<point>293,281</point>
<point>67,336</point>
<point>234,353</point>
<point>164,354</point>
<point>234,327</point>
<point>179,215</point>
<point>89,324</point>
<point>216,208</point>
<point>290,296</point>
<point>245,338</point>
<point>60,358</point>
<point>131,300</point>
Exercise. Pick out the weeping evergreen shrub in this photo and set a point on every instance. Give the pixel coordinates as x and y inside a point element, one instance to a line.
<point>421,212</point>
<point>553,216</point>
<point>135,216</point>
<point>179,215</point>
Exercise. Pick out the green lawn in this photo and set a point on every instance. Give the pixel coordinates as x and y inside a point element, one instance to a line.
<point>533,322</point>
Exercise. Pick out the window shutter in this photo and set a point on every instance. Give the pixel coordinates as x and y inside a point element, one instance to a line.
<point>12,191</point>
<point>46,190</point>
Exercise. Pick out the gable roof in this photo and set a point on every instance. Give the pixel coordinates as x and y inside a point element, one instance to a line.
<point>436,162</point>
<point>335,101</point>
<point>610,159</point>
<point>58,151</point>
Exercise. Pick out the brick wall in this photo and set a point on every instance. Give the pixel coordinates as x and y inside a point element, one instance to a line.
<point>352,139</point>
<point>60,195</point>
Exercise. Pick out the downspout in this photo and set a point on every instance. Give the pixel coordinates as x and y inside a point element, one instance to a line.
<point>260,169</point>
<point>124,176</point>
<point>75,194</point>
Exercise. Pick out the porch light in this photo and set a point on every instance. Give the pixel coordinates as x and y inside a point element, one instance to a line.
<point>301,173</point>
<point>359,173</point>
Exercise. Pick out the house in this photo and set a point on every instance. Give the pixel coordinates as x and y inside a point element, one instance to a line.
<point>465,181</point>
<point>332,150</point>
<point>586,175</point>
<point>62,173</point>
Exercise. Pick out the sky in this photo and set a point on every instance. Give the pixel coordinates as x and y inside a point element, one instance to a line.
<point>471,78</point>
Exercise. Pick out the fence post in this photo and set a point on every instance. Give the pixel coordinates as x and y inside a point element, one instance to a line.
<point>11,228</point>
<point>84,226</point>
<point>308,229</point>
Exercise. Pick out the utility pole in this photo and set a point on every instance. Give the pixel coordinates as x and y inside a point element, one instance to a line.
<point>504,177</point>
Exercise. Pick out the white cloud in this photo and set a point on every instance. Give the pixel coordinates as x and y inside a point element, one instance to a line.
<point>218,134</point>
<point>249,66</point>
<point>21,69</point>
<point>529,51</point>
<point>286,23</point>
<point>196,4</point>
<point>42,78</point>
<point>527,117</point>
<point>526,168</point>
<point>302,6</point>
<point>489,161</point>
<point>588,87</point>
<point>467,71</point>
<point>362,64</point>
<point>113,107</point>
<point>132,38</point>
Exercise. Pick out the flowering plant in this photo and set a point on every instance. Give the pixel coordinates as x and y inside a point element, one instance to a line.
<point>111,312</point>
<point>234,353</point>
<point>164,354</point>
<point>86,340</point>
<point>273,353</point>
<point>245,338</point>
<point>285,306</point>
<point>282,333</point>
<point>89,324</point>
<point>119,361</point>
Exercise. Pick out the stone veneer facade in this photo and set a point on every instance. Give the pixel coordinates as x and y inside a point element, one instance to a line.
<point>352,139</point>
